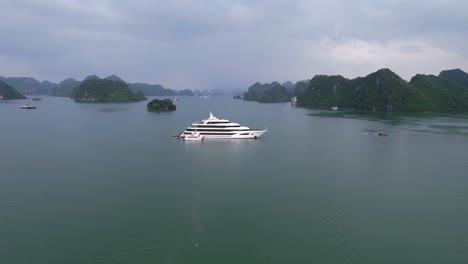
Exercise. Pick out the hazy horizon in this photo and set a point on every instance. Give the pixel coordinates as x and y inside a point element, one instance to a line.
<point>229,44</point>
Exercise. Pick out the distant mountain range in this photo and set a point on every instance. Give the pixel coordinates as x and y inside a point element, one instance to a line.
<point>379,91</point>
<point>31,86</point>
<point>7,92</point>
<point>28,85</point>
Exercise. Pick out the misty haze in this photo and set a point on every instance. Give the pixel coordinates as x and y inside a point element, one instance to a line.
<point>262,131</point>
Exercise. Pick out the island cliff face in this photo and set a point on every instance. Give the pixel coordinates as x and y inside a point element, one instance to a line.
<point>94,90</point>
<point>7,92</point>
<point>386,91</point>
<point>267,93</point>
<point>160,105</point>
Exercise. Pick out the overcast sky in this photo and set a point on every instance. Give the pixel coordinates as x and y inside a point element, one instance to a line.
<point>200,44</point>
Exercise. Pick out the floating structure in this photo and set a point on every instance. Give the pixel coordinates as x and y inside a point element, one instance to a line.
<point>26,106</point>
<point>293,101</point>
<point>215,128</point>
<point>381,134</point>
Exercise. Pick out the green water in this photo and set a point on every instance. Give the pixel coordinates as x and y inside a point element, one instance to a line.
<point>105,183</point>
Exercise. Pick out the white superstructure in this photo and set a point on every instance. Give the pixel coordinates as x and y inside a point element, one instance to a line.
<point>215,128</point>
<point>195,136</point>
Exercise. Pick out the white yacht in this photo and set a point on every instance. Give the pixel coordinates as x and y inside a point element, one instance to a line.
<point>215,128</point>
<point>26,106</point>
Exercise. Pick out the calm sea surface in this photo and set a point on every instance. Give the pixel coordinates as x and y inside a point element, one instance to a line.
<point>105,183</point>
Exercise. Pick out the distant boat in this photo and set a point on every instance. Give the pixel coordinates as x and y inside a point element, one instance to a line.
<point>381,134</point>
<point>205,97</point>
<point>176,99</point>
<point>26,106</point>
<point>334,108</point>
<point>293,101</point>
<point>36,99</point>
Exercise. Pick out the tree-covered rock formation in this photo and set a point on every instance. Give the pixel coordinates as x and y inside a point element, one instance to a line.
<point>151,89</point>
<point>28,85</point>
<point>385,91</point>
<point>300,87</point>
<point>288,85</point>
<point>65,88</point>
<point>93,90</point>
<point>160,105</point>
<point>267,93</point>
<point>456,76</point>
<point>91,77</point>
<point>7,92</point>
<point>185,92</point>
<point>441,95</point>
<point>114,78</point>
<point>324,90</point>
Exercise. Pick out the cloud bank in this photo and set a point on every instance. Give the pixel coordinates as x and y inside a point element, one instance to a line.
<point>229,44</point>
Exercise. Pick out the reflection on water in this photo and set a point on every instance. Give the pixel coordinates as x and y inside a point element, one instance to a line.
<point>111,109</point>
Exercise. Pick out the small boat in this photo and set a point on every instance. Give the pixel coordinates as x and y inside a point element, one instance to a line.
<point>176,135</point>
<point>36,99</point>
<point>26,106</point>
<point>195,136</point>
<point>381,134</point>
<point>294,101</point>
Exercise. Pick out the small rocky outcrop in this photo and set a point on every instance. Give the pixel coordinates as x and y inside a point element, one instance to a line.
<point>160,105</point>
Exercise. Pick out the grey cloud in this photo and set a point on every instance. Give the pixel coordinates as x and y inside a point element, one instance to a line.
<point>218,43</point>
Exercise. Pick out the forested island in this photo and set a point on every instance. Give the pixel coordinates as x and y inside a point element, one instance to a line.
<point>379,91</point>
<point>7,92</point>
<point>267,93</point>
<point>31,86</point>
<point>160,105</point>
<point>95,90</point>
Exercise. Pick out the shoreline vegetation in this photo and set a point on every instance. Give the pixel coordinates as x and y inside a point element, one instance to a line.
<point>381,91</point>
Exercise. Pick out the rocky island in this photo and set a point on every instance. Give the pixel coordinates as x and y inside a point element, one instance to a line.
<point>386,91</point>
<point>8,93</point>
<point>267,93</point>
<point>160,105</point>
<point>95,90</point>
<point>382,90</point>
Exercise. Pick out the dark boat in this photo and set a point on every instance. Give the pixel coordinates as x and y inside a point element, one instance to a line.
<point>381,134</point>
